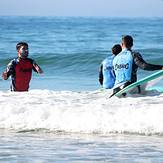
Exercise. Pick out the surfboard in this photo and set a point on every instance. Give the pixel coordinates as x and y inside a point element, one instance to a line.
<point>157,88</point>
<point>140,82</point>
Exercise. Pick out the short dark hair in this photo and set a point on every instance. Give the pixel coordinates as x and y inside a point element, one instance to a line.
<point>116,49</point>
<point>127,40</point>
<point>21,44</point>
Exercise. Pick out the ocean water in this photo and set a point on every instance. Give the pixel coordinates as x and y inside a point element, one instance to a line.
<point>66,117</point>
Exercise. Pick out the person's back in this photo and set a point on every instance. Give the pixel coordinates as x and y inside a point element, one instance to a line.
<point>106,74</point>
<point>122,64</point>
<point>107,70</point>
<point>20,69</point>
<point>125,66</point>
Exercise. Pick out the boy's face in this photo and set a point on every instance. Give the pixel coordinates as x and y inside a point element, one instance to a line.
<point>23,52</point>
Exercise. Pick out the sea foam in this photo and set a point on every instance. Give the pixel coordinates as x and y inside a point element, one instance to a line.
<point>81,112</point>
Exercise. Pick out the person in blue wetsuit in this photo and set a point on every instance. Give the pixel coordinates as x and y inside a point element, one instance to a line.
<point>126,63</point>
<point>20,69</point>
<point>106,74</point>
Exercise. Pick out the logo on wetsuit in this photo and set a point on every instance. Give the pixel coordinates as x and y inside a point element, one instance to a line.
<point>121,66</point>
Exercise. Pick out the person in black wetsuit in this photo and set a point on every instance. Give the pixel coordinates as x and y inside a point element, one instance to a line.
<point>20,69</point>
<point>126,64</point>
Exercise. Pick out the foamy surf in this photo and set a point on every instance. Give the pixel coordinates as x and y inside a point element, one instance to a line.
<point>81,112</point>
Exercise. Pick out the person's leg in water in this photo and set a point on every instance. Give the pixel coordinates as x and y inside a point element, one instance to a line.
<point>120,88</point>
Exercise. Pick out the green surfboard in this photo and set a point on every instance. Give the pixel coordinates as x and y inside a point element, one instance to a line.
<point>140,82</point>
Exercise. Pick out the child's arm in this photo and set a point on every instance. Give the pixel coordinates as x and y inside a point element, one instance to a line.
<point>101,74</point>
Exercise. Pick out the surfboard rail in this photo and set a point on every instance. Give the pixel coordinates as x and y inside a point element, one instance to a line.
<point>140,82</point>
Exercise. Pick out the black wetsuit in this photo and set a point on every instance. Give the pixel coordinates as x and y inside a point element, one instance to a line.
<point>139,62</point>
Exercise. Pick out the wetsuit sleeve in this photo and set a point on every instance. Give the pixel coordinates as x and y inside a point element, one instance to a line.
<point>10,70</point>
<point>139,61</point>
<point>36,68</point>
<point>101,74</point>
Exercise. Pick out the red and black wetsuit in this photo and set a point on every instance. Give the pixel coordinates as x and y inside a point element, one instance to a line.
<point>20,71</point>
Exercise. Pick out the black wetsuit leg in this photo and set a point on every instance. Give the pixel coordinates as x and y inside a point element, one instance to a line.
<point>120,88</point>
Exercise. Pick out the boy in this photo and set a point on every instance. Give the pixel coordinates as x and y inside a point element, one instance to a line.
<point>20,69</point>
<point>106,74</point>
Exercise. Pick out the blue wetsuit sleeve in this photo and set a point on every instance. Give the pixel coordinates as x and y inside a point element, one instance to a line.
<point>101,75</point>
<point>139,61</point>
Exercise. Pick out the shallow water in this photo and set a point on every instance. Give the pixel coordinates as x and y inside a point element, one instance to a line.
<point>70,49</point>
<point>81,112</point>
<point>65,126</point>
<point>62,147</point>
<point>65,117</point>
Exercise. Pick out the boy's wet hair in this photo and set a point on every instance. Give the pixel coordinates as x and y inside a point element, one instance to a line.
<point>21,44</point>
<point>116,49</point>
<point>127,40</point>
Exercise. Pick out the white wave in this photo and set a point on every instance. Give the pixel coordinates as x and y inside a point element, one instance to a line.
<point>82,112</point>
